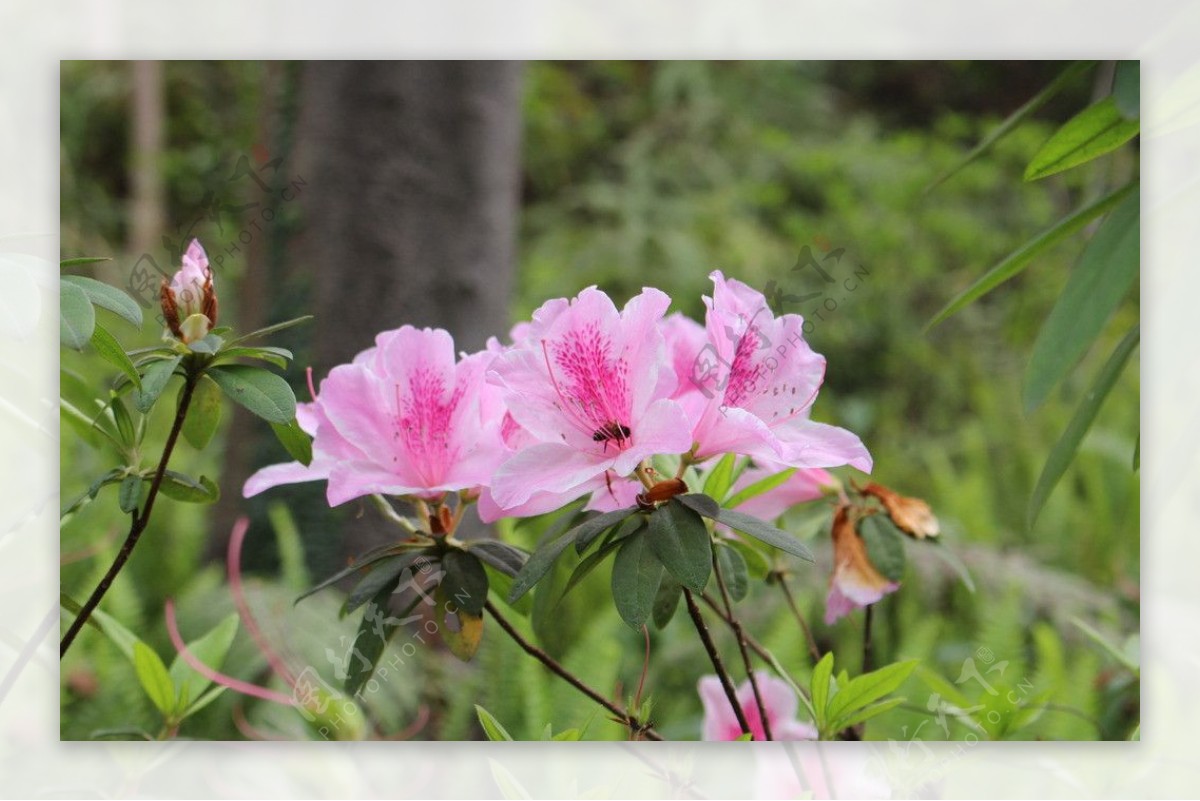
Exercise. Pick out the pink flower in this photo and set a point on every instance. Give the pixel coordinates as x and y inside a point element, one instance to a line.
<point>855,582</point>
<point>189,303</point>
<point>590,386</point>
<point>806,484</point>
<point>405,418</point>
<point>754,382</point>
<point>720,722</point>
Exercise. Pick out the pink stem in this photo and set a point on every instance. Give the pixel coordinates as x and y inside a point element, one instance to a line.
<point>239,599</point>
<point>215,676</point>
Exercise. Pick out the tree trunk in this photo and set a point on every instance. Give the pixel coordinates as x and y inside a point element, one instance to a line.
<point>411,193</point>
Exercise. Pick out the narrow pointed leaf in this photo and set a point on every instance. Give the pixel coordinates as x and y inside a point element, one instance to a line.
<point>491,727</point>
<point>1016,118</point>
<point>1098,129</point>
<point>270,329</point>
<point>504,557</point>
<point>376,577</point>
<point>107,348</point>
<point>760,487</point>
<point>1015,262</point>
<point>1064,450</point>
<point>131,494</point>
<point>868,688</point>
<point>1127,88</point>
<point>764,532</point>
<point>1102,278</point>
<point>587,531</point>
<point>152,675</point>
<point>721,477</point>
<point>733,571</point>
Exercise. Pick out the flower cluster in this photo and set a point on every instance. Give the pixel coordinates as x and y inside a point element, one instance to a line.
<point>582,396</point>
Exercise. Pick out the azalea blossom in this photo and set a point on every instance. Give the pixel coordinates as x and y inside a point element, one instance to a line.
<point>779,700</point>
<point>753,383</point>
<point>855,582</point>
<point>590,386</point>
<point>189,303</point>
<point>405,418</point>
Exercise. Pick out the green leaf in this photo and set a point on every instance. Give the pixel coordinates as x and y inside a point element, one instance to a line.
<point>154,381</point>
<point>107,348</point>
<point>210,649</point>
<point>884,544</point>
<point>760,487</point>
<point>1096,130</point>
<point>204,413</point>
<point>592,560</point>
<point>538,564</point>
<point>1022,257</point>
<point>587,531</point>
<point>1064,450</point>
<point>125,426</point>
<point>1016,118</point>
<point>295,440</point>
<point>210,344</point>
<point>152,675</point>
<point>114,476</point>
<point>721,477</point>
<point>866,713</point>
<point>373,634</point>
<point>79,261</point>
<point>700,504</point>
<point>867,688</point>
<point>465,582</point>
<point>491,727</point>
<point>1127,89</point>
<point>1109,646</point>
<point>821,677</point>
<point>378,575</point>
<point>504,557</point>
<point>270,329</point>
<point>666,601</point>
<point>179,487</point>
<point>733,571</point>
<point>108,297</point>
<point>765,532</point>
<point>131,494</point>
<point>77,318</point>
<point>276,356</point>
<point>123,638</point>
<point>678,537</point>
<point>361,563</point>
<point>260,391</point>
<point>1105,272</point>
<point>636,576</point>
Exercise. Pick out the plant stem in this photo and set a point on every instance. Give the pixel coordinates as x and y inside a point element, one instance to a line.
<point>638,727</point>
<point>813,650</point>
<point>139,521</point>
<point>715,658</point>
<point>766,656</point>
<point>739,634</point>
<point>866,660</point>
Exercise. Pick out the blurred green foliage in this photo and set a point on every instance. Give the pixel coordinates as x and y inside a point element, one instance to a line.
<point>639,173</point>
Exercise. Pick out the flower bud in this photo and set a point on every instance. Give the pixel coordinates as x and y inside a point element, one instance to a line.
<point>189,303</point>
